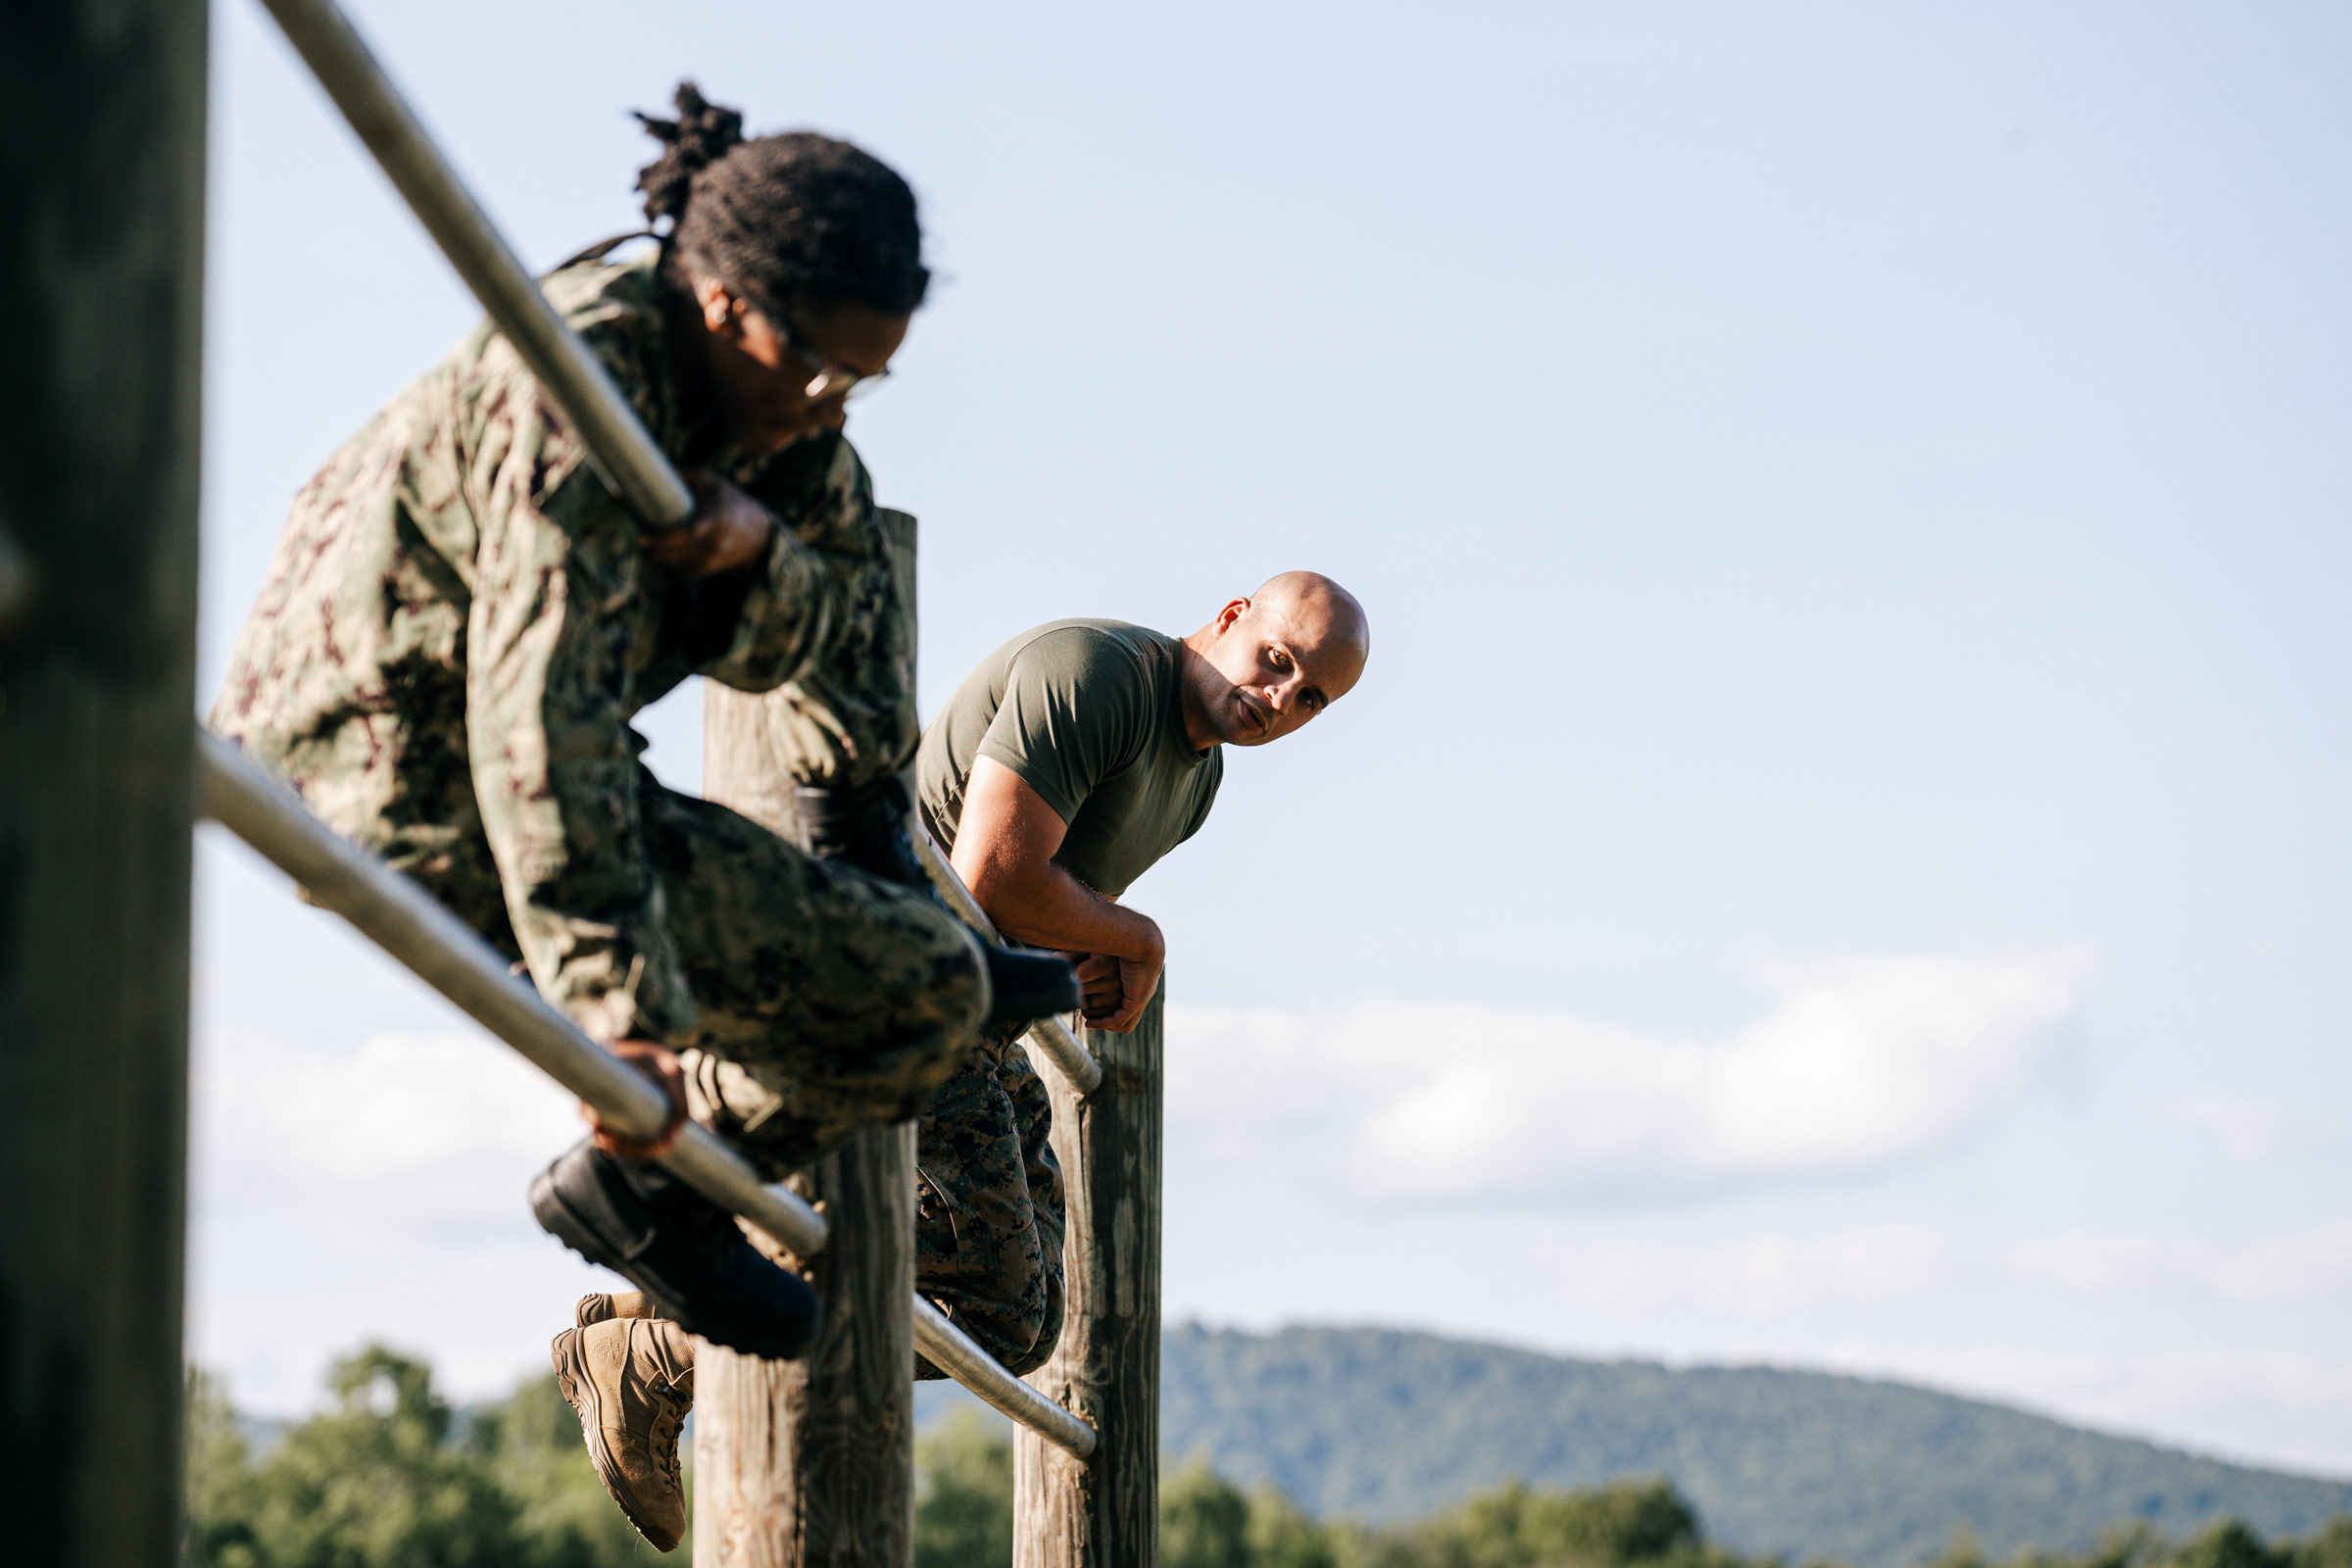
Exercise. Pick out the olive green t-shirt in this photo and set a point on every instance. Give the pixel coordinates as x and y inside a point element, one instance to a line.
<point>1088,713</point>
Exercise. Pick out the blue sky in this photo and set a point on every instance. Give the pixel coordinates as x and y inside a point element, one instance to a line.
<point>1838,856</point>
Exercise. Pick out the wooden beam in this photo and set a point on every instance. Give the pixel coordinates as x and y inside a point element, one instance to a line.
<point>102,178</point>
<point>810,1463</point>
<point>1103,1511</point>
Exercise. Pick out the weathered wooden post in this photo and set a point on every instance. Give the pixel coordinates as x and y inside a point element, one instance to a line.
<point>102,123</point>
<point>1103,1511</point>
<point>810,1463</point>
<point>804,1463</point>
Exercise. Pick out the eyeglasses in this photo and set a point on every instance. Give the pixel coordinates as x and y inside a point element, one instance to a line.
<point>827,380</point>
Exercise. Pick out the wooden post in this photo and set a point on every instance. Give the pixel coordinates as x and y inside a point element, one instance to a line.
<point>102,178</point>
<point>803,1464</point>
<point>1104,1512</point>
<point>810,1463</point>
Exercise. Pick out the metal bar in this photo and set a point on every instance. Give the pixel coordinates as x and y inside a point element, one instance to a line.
<point>616,440</point>
<point>952,1352</point>
<point>1050,1037</point>
<point>408,923</point>
<point>403,920</point>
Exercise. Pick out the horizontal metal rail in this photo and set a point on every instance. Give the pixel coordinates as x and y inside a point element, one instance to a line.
<point>1049,1036</point>
<point>951,1351</point>
<point>623,451</point>
<point>406,921</point>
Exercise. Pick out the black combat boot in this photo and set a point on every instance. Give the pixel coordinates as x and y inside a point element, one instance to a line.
<point>1024,987</point>
<point>680,1249</point>
<point>866,826</point>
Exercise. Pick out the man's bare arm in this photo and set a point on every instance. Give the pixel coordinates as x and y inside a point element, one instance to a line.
<point>1005,846</point>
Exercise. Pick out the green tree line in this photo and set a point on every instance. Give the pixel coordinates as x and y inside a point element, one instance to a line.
<point>390,1476</point>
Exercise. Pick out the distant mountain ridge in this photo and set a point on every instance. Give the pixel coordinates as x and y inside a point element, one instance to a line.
<point>1381,1425</point>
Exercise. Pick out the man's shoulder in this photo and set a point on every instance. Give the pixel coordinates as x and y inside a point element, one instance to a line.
<point>1085,649</point>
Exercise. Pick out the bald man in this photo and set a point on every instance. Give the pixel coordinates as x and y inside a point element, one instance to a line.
<point>1069,762</point>
<point>1081,752</point>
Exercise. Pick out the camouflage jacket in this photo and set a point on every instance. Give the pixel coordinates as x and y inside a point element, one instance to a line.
<point>460,622</point>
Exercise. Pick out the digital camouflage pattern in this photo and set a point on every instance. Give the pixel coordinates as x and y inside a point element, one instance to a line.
<point>989,1215</point>
<point>460,623</point>
<point>826,999</point>
<point>988,1204</point>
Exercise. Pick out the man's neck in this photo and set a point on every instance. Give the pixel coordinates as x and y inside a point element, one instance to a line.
<point>701,429</point>
<point>1192,672</point>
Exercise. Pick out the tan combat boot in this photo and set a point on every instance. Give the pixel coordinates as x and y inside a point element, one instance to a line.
<point>600,1307</point>
<point>631,1380</point>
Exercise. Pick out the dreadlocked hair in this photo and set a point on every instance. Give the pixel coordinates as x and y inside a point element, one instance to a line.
<point>795,221</point>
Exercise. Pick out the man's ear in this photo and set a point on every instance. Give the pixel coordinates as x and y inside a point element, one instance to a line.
<point>719,307</point>
<point>1233,610</point>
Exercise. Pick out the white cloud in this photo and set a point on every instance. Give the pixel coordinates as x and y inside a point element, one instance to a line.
<point>1864,1064</point>
<point>2248,1130</point>
<point>2258,1406</point>
<point>342,1195</point>
<point>2313,1264</point>
<point>411,1130</point>
<point>1752,1277</point>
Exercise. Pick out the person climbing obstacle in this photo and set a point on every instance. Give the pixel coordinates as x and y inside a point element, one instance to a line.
<point>460,619</point>
<point>1065,765</point>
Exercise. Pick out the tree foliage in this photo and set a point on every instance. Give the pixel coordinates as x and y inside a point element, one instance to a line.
<point>389,1476</point>
<point>1207,1521</point>
<point>385,1478</point>
<point>963,1495</point>
<point>1389,1427</point>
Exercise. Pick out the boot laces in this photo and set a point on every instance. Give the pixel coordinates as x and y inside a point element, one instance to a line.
<point>669,1416</point>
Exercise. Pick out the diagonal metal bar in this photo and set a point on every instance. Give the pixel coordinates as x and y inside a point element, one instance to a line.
<point>406,921</point>
<point>1050,1037</point>
<point>625,453</point>
<point>952,1352</point>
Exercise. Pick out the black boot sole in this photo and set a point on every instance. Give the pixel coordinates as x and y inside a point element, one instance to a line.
<point>782,1333</point>
<point>1024,987</point>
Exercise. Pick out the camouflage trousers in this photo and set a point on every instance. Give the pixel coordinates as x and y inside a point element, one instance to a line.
<point>988,1213</point>
<point>825,1001</point>
<point>989,1208</point>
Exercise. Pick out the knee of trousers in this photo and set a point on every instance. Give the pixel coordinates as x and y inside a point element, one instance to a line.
<point>1003,1289</point>
<point>1049,1332</point>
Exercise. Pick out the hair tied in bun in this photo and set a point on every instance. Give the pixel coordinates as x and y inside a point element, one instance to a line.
<point>703,133</point>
